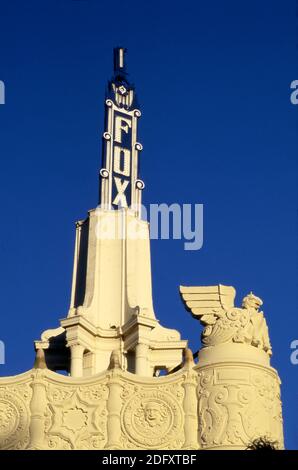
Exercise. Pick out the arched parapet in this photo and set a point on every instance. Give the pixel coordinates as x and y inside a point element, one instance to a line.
<point>111,410</point>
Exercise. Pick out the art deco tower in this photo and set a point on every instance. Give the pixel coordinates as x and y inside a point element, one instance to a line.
<point>113,346</point>
<point>111,301</point>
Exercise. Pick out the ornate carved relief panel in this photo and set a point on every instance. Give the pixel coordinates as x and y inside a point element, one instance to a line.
<point>15,414</point>
<point>76,416</point>
<point>152,416</point>
<point>238,404</point>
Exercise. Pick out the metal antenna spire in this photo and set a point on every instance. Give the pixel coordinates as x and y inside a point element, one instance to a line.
<point>119,59</point>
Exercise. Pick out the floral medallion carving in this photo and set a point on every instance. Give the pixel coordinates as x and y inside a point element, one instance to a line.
<point>14,419</point>
<point>152,419</point>
<point>8,418</point>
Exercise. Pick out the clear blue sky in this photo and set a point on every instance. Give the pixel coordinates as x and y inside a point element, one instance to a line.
<point>218,128</point>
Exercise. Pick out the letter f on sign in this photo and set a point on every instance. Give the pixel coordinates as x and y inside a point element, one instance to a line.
<point>122,124</point>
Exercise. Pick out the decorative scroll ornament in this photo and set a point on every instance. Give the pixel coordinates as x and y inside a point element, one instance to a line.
<point>214,307</point>
<point>233,413</point>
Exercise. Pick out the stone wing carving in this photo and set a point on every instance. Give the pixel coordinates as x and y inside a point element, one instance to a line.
<point>214,307</point>
<point>207,303</point>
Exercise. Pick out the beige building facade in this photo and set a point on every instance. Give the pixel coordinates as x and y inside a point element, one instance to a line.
<point>132,383</point>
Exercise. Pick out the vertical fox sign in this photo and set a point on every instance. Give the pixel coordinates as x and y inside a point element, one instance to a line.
<point>120,183</point>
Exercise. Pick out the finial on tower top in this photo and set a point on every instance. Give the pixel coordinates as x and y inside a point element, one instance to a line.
<point>120,89</point>
<point>119,59</point>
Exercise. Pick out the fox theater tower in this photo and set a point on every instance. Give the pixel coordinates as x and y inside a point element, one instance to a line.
<point>112,347</point>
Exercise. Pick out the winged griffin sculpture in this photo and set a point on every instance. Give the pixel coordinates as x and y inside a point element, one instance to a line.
<point>223,322</point>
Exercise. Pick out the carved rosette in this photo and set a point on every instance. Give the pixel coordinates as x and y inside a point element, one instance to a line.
<point>152,419</point>
<point>14,417</point>
<point>238,405</point>
<point>76,417</point>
